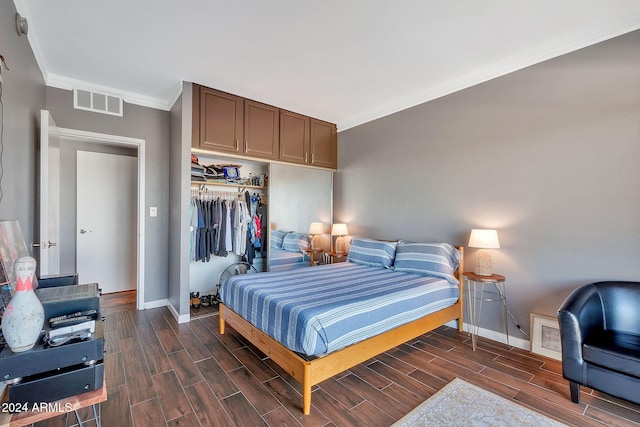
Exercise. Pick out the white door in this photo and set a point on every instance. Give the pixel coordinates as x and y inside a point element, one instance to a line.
<point>106,220</point>
<point>49,221</point>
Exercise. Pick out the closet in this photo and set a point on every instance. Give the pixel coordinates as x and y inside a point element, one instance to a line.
<point>224,129</point>
<point>228,219</point>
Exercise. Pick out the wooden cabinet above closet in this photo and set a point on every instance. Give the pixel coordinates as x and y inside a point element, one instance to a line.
<point>307,141</point>
<point>218,120</point>
<point>261,130</point>
<point>227,123</point>
<point>324,144</point>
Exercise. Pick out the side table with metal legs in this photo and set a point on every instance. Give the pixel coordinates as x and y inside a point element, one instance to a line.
<point>477,293</point>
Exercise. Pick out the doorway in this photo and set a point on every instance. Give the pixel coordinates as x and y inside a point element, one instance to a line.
<point>64,134</point>
<point>105,220</point>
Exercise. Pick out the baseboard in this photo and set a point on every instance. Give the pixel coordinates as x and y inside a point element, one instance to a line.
<point>499,337</point>
<point>165,303</point>
<point>185,318</point>
<point>494,335</point>
<point>156,304</point>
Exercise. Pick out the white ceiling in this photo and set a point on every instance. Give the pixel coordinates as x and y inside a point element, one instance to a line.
<point>345,61</point>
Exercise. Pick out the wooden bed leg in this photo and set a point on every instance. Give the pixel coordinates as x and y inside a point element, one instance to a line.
<point>306,390</point>
<point>221,320</point>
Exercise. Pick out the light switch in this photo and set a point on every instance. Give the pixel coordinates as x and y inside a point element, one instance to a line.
<point>153,211</point>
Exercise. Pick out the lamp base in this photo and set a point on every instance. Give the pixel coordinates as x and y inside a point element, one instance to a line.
<point>340,245</point>
<point>314,242</point>
<point>483,263</point>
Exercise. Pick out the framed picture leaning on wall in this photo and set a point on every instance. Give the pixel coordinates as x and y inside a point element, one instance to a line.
<point>545,336</point>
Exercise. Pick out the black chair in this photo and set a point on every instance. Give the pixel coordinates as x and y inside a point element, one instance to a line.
<point>600,337</point>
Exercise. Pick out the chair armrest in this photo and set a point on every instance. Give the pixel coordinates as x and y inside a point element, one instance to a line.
<point>580,314</point>
<point>51,281</point>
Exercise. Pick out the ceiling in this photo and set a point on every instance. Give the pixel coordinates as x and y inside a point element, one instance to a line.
<point>344,61</point>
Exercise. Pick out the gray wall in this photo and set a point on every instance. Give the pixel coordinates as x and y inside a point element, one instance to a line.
<point>175,212</point>
<point>153,126</point>
<point>180,172</point>
<point>548,155</point>
<point>23,95</point>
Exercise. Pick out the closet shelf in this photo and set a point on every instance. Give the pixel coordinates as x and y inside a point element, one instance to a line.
<point>224,184</point>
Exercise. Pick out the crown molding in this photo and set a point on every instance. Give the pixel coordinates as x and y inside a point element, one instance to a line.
<point>545,52</point>
<point>628,23</point>
<point>62,82</point>
<point>176,94</point>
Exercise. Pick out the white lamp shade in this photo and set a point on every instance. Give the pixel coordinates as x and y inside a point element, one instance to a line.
<point>339,230</point>
<point>483,238</point>
<point>316,228</point>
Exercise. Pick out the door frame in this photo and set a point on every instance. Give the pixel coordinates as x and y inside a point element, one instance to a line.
<point>123,141</point>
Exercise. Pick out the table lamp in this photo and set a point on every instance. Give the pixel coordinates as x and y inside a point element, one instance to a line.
<point>314,229</point>
<point>483,239</point>
<point>339,230</point>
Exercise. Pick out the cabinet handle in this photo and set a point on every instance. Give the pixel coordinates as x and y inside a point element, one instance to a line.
<point>306,155</point>
<point>236,144</point>
<point>313,157</point>
<point>246,144</point>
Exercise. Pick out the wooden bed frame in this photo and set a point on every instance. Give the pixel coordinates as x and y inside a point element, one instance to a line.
<point>316,370</point>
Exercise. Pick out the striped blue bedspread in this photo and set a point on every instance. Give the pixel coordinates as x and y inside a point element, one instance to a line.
<point>286,260</point>
<point>318,310</point>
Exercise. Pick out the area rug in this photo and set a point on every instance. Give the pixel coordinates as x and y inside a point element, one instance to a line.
<point>462,404</point>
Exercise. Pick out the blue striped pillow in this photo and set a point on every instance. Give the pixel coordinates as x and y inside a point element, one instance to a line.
<point>277,237</point>
<point>372,252</point>
<point>296,242</point>
<point>428,259</point>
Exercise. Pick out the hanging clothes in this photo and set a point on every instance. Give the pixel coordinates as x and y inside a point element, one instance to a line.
<point>193,229</point>
<point>261,213</point>
<point>250,252</point>
<point>240,224</point>
<point>222,225</point>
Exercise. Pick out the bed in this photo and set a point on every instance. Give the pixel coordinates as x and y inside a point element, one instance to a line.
<point>383,306</point>
<point>288,250</point>
<point>282,260</point>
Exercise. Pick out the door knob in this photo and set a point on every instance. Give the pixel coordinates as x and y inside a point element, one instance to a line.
<point>46,245</point>
<point>83,231</point>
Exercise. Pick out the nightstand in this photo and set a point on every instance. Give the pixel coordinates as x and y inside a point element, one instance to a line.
<point>312,255</point>
<point>333,257</point>
<point>475,286</point>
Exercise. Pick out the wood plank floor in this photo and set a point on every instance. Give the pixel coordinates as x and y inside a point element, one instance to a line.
<point>161,373</point>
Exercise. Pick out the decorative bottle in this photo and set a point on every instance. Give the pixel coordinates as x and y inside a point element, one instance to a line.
<point>23,317</point>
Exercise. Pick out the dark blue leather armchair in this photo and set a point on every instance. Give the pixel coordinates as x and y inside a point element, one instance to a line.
<point>600,336</point>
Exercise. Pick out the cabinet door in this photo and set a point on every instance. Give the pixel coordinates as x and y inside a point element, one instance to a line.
<point>294,137</point>
<point>324,144</point>
<point>261,130</point>
<point>221,118</point>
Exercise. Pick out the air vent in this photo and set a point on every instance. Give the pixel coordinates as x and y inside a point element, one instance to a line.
<point>97,102</point>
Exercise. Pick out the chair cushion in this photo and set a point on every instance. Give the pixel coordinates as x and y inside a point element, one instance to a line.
<point>619,351</point>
